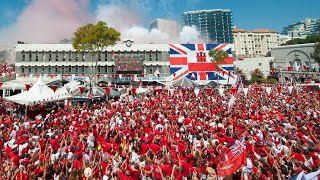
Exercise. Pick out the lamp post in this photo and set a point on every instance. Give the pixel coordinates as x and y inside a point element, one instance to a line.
<point>228,78</point>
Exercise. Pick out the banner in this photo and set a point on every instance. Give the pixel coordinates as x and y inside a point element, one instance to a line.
<point>245,91</point>
<point>221,90</point>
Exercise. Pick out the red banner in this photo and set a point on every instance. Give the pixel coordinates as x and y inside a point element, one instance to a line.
<point>233,91</point>
<point>81,89</point>
<point>209,91</point>
<point>279,89</point>
<point>54,88</point>
<point>107,91</point>
<point>133,91</point>
<point>27,87</point>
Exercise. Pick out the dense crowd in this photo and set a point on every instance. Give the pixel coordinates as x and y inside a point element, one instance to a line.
<point>166,135</point>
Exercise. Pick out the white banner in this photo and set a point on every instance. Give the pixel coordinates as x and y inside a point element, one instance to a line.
<point>94,90</point>
<point>290,89</point>
<point>245,91</point>
<point>231,102</point>
<point>221,90</point>
<point>73,76</point>
<point>268,89</point>
<point>196,91</point>
<point>120,76</point>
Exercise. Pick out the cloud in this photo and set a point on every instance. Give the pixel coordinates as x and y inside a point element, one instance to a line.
<point>48,21</point>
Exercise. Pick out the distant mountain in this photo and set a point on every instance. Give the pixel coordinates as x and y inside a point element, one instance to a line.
<point>7,55</point>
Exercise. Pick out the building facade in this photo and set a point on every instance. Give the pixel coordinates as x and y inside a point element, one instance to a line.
<point>63,59</point>
<point>249,65</point>
<point>296,57</point>
<point>254,43</point>
<point>303,28</point>
<point>125,62</point>
<point>167,26</point>
<point>214,25</point>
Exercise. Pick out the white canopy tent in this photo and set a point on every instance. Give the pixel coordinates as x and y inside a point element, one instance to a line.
<point>65,91</point>
<point>61,94</point>
<point>38,93</point>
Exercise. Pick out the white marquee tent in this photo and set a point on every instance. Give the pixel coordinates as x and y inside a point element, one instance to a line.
<point>38,93</point>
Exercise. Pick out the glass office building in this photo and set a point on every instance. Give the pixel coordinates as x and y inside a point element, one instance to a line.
<point>214,25</point>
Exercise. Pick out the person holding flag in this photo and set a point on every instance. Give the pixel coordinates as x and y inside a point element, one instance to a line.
<point>232,160</point>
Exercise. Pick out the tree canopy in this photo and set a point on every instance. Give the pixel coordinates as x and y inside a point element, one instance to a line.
<point>309,39</point>
<point>94,38</point>
<point>218,56</point>
<point>316,54</point>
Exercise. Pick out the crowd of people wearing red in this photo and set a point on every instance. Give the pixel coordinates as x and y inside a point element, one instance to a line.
<point>166,135</point>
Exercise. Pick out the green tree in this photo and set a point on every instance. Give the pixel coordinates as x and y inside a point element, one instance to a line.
<point>218,58</point>
<point>316,54</point>
<point>94,38</point>
<point>257,77</point>
<point>309,39</point>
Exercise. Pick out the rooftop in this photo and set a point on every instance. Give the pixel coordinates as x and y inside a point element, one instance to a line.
<point>206,10</point>
<point>258,30</point>
<point>68,47</point>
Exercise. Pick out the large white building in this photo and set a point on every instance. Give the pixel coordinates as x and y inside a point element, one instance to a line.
<point>254,43</point>
<point>167,26</point>
<point>63,59</point>
<point>303,28</point>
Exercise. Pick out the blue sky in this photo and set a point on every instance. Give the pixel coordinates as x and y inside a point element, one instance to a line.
<point>247,14</point>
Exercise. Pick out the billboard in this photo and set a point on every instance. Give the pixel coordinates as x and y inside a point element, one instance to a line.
<point>129,64</point>
<point>193,61</point>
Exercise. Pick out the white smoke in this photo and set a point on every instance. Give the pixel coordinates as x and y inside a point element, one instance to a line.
<point>121,18</point>
<point>142,35</point>
<point>190,34</point>
<point>50,21</point>
<point>125,19</point>
<point>47,21</point>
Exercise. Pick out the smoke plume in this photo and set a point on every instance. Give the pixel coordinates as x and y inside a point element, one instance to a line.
<point>50,21</point>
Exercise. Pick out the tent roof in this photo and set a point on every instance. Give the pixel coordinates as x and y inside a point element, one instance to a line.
<point>39,92</point>
<point>184,82</point>
<point>114,93</point>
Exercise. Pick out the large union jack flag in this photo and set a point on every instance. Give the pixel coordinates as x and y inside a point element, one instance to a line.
<point>238,147</point>
<point>193,61</point>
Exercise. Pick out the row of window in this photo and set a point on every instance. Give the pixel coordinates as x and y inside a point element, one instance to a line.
<point>84,57</point>
<point>76,70</point>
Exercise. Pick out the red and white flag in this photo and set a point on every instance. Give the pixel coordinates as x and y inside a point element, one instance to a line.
<point>233,159</point>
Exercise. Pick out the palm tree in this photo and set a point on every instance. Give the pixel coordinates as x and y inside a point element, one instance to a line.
<point>218,58</point>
